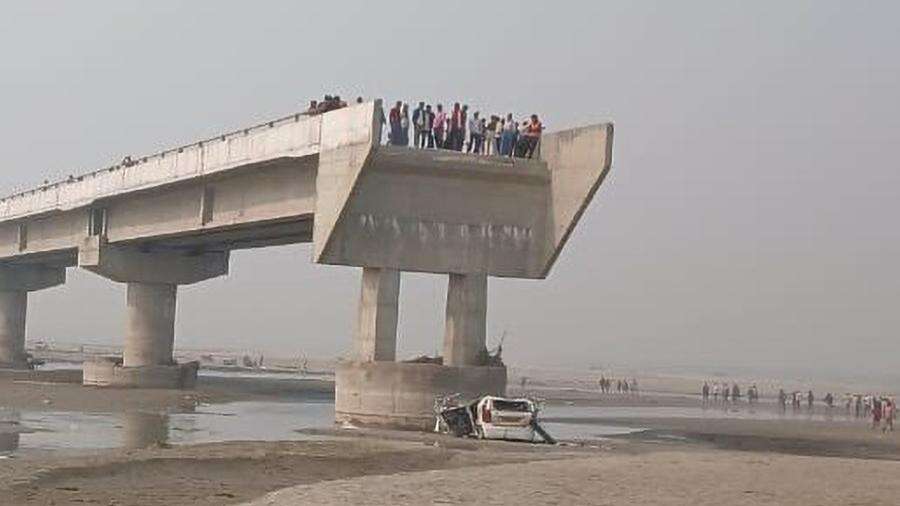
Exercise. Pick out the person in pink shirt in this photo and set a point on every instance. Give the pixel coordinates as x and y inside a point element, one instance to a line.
<point>439,128</point>
<point>888,412</point>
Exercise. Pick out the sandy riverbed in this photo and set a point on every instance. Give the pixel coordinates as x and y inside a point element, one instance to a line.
<point>680,460</point>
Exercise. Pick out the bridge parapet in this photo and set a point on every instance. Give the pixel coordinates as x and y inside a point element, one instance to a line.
<point>292,136</point>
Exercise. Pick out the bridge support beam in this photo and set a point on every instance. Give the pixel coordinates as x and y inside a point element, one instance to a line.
<point>15,283</point>
<point>13,306</point>
<point>376,329</point>
<point>466,321</point>
<point>150,330</point>
<point>375,390</point>
<point>152,279</point>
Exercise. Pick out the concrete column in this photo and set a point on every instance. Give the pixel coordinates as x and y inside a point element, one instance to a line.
<point>150,332</point>
<point>466,325</point>
<point>376,331</point>
<point>13,306</point>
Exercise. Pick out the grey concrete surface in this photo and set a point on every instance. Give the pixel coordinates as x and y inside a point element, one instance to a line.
<point>376,329</point>
<point>13,305</point>
<point>150,328</point>
<point>466,320</point>
<point>402,395</point>
<point>101,373</point>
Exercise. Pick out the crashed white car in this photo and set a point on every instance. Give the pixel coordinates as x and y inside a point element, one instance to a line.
<point>492,417</point>
<point>499,418</point>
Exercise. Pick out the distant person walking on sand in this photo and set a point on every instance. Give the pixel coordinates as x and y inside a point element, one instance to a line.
<point>752,394</point>
<point>889,412</point>
<point>726,392</point>
<point>782,399</point>
<point>705,392</point>
<point>715,390</point>
<point>876,413</point>
<point>810,398</point>
<point>735,393</point>
<point>634,386</point>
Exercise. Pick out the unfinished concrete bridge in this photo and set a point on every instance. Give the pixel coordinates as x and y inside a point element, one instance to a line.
<point>172,218</point>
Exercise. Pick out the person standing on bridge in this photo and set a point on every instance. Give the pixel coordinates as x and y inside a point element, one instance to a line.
<point>462,127</point>
<point>509,137</point>
<point>429,126</point>
<point>475,134</point>
<point>457,127</point>
<point>404,125</point>
<point>533,135</point>
<point>419,126</point>
<point>394,121</point>
<point>439,127</point>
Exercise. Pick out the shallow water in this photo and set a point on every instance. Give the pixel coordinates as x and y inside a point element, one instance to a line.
<point>22,432</point>
<point>25,431</point>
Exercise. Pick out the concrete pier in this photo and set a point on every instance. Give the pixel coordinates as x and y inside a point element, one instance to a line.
<point>466,321</point>
<point>15,283</point>
<point>377,391</point>
<point>150,332</point>
<point>152,278</point>
<point>376,329</point>
<point>13,305</point>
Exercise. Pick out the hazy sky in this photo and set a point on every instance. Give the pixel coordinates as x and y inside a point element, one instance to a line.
<point>749,219</point>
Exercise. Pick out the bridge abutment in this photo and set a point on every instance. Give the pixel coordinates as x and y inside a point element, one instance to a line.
<point>15,283</point>
<point>152,278</point>
<point>375,390</point>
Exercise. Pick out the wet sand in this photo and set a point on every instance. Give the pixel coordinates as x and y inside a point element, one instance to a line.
<point>792,461</point>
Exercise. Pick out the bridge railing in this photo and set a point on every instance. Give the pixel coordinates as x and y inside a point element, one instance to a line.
<point>207,155</point>
<point>160,154</point>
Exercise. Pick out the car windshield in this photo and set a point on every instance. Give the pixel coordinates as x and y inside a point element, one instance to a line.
<point>521,406</point>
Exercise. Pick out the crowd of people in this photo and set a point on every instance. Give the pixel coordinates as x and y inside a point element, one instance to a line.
<point>881,409</point>
<point>456,129</point>
<point>460,130</point>
<point>328,103</point>
<point>623,386</point>
<point>711,393</point>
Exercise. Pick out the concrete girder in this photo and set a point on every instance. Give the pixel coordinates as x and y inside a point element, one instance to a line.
<point>29,278</point>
